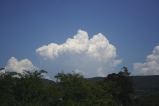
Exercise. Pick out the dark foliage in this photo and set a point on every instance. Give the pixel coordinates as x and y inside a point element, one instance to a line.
<point>31,89</point>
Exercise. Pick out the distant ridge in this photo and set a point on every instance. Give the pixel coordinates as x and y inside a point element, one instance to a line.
<point>146,85</point>
<point>143,85</point>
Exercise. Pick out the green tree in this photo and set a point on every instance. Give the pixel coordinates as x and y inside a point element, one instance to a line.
<point>71,89</point>
<point>76,90</point>
<point>121,87</point>
<point>7,84</point>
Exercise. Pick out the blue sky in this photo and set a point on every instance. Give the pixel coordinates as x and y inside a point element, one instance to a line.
<point>132,26</point>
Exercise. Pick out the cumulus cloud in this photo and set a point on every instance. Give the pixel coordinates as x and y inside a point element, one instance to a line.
<point>2,70</point>
<point>150,66</point>
<point>91,56</point>
<point>19,66</point>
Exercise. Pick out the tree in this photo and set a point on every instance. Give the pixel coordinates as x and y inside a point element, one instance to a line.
<point>75,89</point>
<point>27,89</point>
<point>121,87</point>
<point>71,89</point>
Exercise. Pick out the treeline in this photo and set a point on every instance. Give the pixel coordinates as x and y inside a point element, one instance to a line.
<point>70,89</point>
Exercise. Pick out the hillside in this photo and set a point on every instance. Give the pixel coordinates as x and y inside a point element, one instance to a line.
<point>143,85</point>
<point>146,85</point>
<point>146,89</point>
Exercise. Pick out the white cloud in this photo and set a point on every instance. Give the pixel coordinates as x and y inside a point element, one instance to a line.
<point>19,66</point>
<point>2,71</point>
<point>150,66</point>
<point>100,72</point>
<point>82,53</point>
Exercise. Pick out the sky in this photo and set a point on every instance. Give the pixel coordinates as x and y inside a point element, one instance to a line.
<point>92,37</point>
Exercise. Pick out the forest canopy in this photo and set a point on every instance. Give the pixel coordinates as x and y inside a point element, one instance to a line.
<point>69,89</point>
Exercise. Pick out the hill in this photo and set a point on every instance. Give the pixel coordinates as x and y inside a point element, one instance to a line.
<point>146,89</point>
<point>143,85</point>
<point>146,85</point>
